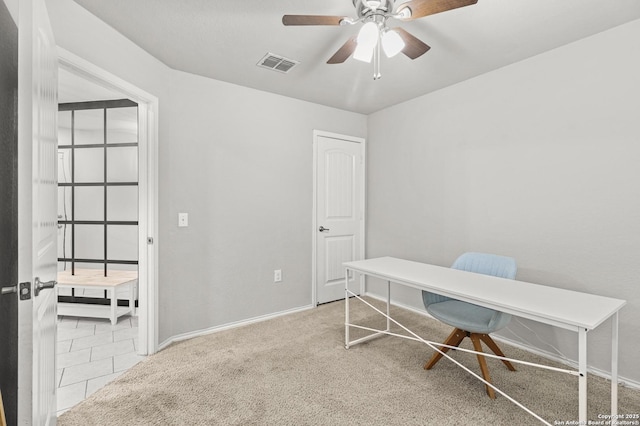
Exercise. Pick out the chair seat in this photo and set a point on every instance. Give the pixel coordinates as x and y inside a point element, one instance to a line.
<point>469,320</point>
<point>469,317</point>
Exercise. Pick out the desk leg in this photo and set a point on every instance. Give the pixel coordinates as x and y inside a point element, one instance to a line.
<point>388,305</point>
<point>346,309</point>
<point>614,365</point>
<point>114,305</point>
<point>582,378</point>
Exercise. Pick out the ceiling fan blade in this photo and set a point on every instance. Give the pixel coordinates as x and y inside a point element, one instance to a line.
<point>420,8</point>
<point>311,20</point>
<point>413,47</point>
<point>344,52</point>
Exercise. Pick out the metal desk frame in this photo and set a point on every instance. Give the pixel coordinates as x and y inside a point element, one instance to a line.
<point>571,310</point>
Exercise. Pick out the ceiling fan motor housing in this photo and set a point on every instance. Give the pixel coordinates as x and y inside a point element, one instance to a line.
<point>367,7</point>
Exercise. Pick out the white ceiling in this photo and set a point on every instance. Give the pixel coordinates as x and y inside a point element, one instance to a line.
<point>225,39</point>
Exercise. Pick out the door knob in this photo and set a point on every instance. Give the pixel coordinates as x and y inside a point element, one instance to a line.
<point>39,285</point>
<point>322,229</point>
<point>9,290</point>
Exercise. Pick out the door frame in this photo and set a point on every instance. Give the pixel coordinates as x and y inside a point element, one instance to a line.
<point>9,303</point>
<point>148,191</point>
<point>314,229</point>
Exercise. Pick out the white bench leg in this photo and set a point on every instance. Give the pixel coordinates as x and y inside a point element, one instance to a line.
<point>114,306</point>
<point>132,298</point>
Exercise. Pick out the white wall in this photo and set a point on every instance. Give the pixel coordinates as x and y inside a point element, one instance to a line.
<point>241,166</point>
<point>539,160</point>
<point>239,161</point>
<point>12,6</point>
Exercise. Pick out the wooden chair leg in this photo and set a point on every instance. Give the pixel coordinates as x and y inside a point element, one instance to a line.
<point>475,338</point>
<point>3,419</point>
<point>454,339</point>
<point>496,350</point>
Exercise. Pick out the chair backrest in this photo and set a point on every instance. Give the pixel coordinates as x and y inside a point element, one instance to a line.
<point>480,263</point>
<point>487,264</point>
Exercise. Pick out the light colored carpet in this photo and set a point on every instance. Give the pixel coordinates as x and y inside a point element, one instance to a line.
<point>294,370</point>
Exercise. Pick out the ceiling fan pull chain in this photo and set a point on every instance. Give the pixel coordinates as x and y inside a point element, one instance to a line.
<point>376,62</point>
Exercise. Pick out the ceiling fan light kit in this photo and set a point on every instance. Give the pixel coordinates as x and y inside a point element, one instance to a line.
<point>392,43</point>
<point>374,33</point>
<point>366,42</point>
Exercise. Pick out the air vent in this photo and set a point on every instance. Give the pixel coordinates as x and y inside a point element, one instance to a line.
<point>277,63</point>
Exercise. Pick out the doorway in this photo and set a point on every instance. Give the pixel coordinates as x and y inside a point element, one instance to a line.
<point>108,207</point>
<point>97,237</point>
<point>338,212</point>
<point>147,189</point>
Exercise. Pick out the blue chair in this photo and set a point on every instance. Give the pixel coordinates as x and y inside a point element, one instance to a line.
<point>469,320</point>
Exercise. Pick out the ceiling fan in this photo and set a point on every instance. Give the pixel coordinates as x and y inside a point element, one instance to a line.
<point>375,34</point>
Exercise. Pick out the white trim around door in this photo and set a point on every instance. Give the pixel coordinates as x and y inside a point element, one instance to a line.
<point>148,191</point>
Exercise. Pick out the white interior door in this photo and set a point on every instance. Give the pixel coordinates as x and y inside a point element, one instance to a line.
<point>339,211</point>
<point>37,202</point>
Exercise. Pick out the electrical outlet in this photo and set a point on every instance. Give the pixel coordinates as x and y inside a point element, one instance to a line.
<point>277,275</point>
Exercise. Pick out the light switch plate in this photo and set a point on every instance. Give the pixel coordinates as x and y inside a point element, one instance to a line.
<point>183,219</point>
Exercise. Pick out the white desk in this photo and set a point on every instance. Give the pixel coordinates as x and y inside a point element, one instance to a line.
<point>95,279</point>
<point>571,310</point>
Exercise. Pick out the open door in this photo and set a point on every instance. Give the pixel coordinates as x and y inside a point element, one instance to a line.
<point>37,202</point>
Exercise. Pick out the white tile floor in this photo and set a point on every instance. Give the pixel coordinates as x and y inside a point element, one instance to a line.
<point>91,353</point>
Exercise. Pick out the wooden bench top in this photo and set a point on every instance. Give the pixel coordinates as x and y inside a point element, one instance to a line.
<point>95,277</point>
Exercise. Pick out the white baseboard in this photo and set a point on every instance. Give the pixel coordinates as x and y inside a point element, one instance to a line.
<point>197,333</point>
<point>623,381</point>
<point>553,357</point>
